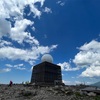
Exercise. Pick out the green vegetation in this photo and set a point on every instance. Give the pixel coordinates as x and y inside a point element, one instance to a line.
<point>27,94</point>
<point>97,98</point>
<point>77,94</point>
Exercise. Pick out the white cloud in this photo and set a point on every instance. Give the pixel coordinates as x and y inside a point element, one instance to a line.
<point>67,82</point>
<point>82,82</point>
<point>76,82</point>
<point>89,58</point>
<point>14,29</point>
<point>16,7</point>
<point>91,71</point>
<point>47,10</point>
<point>9,65</point>
<point>5,70</point>
<point>4,27</point>
<point>65,66</point>
<point>31,68</point>
<point>16,53</point>
<point>14,10</point>
<point>5,43</point>
<point>33,28</point>
<point>60,3</point>
<point>29,56</point>
<point>45,49</point>
<point>93,45</point>
<point>18,66</point>
<point>18,32</point>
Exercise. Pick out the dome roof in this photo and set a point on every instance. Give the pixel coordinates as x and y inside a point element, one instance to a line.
<point>47,57</point>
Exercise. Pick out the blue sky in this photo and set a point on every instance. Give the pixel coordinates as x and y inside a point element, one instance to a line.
<point>69,30</point>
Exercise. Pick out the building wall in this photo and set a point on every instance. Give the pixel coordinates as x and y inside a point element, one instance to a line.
<point>46,73</point>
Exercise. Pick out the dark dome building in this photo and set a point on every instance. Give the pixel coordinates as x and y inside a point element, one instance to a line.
<point>46,73</point>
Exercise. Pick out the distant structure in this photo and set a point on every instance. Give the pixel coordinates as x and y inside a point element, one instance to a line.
<point>46,73</point>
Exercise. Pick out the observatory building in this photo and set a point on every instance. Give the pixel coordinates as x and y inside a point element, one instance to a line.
<point>46,73</point>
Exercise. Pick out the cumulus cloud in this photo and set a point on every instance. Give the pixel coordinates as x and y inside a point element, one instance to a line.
<point>21,68</point>
<point>67,82</point>
<point>5,70</point>
<point>14,10</point>
<point>47,10</point>
<point>4,27</point>
<point>18,32</point>
<point>14,30</point>
<point>60,3</point>
<point>45,49</point>
<point>92,71</point>
<point>18,66</point>
<point>9,65</point>
<point>89,58</point>
<point>65,66</point>
<point>29,56</point>
<point>16,7</point>
<point>5,43</point>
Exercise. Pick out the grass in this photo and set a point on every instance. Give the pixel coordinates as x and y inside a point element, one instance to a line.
<point>97,98</point>
<point>77,94</point>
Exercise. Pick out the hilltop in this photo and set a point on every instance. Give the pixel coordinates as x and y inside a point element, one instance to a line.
<point>96,84</point>
<point>21,92</point>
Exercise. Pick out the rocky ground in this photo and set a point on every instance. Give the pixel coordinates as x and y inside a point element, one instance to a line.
<point>21,92</point>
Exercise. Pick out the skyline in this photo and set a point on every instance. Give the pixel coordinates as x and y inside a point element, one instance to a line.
<point>69,30</point>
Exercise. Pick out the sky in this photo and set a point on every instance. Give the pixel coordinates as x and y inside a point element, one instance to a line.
<point>69,30</point>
